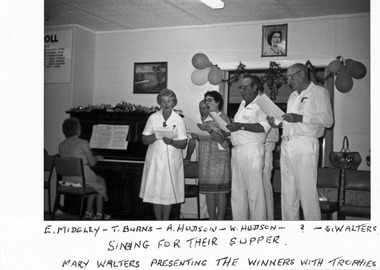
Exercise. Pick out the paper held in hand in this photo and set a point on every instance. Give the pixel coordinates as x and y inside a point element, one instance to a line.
<point>109,137</point>
<point>192,127</point>
<point>222,124</point>
<point>164,132</point>
<point>269,108</point>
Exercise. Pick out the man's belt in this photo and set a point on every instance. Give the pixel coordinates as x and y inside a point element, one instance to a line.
<point>292,138</point>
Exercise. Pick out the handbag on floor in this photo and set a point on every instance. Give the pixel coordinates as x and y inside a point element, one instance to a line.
<point>345,159</point>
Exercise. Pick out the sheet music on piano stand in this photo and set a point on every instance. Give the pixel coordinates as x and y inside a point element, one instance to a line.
<point>109,136</point>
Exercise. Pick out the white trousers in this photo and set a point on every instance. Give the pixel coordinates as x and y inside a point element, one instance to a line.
<point>268,189</point>
<point>299,165</point>
<point>247,190</point>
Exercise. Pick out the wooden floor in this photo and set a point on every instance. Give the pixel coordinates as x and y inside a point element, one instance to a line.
<point>277,208</point>
<point>277,211</point>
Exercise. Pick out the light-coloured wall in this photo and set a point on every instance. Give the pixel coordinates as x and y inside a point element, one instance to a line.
<point>59,97</point>
<point>109,79</point>
<point>352,109</point>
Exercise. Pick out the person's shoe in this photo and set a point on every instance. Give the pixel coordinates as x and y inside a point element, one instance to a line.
<point>88,216</point>
<point>100,216</point>
<point>59,213</point>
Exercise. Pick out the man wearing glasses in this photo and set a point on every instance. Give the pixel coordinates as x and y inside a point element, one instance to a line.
<point>248,134</point>
<point>308,113</point>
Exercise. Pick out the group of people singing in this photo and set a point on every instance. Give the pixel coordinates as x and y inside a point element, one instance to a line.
<point>239,160</point>
<point>248,164</point>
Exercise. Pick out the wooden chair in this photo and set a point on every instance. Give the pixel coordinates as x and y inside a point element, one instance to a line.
<point>329,183</point>
<point>70,167</point>
<point>192,191</point>
<point>48,169</point>
<point>356,195</point>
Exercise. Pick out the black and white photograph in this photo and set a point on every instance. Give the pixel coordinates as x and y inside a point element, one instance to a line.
<point>156,134</point>
<point>275,40</point>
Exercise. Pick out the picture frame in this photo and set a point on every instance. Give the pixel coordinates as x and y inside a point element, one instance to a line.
<point>150,77</point>
<point>277,33</point>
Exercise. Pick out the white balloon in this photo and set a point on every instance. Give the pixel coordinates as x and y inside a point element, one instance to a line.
<point>200,76</point>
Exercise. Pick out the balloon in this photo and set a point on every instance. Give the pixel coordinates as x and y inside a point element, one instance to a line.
<point>343,81</point>
<point>199,77</point>
<point>356,69</point>
<point>215,76</point>
<point>334,66</point>
<point>200,61</point>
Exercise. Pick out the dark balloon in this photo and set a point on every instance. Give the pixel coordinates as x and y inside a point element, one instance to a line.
<point>215,76</point>
<point>201,61</point>
<point>344,81</point>
<point>334,66</point>
<point>356,69</point>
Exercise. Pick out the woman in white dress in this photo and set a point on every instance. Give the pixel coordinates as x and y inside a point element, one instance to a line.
<point>163,181</point>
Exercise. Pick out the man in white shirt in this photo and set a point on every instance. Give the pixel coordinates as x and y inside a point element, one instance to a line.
<point>248,133</point>
<point>309,112</point>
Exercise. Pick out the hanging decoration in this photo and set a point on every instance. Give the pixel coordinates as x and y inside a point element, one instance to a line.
<point>201,61</point>
<point>344,81</point>
<point>215,76</point>
<point>313,72</point>
<point>356,69</point>
<point>334,66</point>
<point>345,70</point>
<point>120,107</point>
<point>239,70</point>
<point>200,76</point>
<point>274,78</point>
<point>202,66</point>
<point>205,71</point>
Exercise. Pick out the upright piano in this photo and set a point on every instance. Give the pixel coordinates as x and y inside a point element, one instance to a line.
<point>121,169</point>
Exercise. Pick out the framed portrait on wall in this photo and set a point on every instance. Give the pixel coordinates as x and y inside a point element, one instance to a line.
<point>274,40</point>
<point>150,77</point>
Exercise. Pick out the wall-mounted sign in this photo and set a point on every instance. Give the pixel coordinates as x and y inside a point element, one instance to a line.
<point>57,51</point>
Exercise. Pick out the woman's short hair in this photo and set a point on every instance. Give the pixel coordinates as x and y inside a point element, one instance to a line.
<point>217,97</point>
<point>168,93</point>
<point>70,127</point>
<point>269,38</point>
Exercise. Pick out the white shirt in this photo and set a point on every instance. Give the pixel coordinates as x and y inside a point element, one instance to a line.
<point>273,136</point>
<point>315,106</point>
<point>250,114</point>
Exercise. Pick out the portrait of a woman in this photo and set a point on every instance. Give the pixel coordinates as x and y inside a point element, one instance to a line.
<point>275,43</point>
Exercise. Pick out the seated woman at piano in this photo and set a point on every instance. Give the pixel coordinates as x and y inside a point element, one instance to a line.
<point>73,146</point>
<point>163,181</point>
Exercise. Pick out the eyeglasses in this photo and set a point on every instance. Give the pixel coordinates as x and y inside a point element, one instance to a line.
<point>290,77</point>
<point>167,100</point>
<point>208,99</point>
<point>244,87</point>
